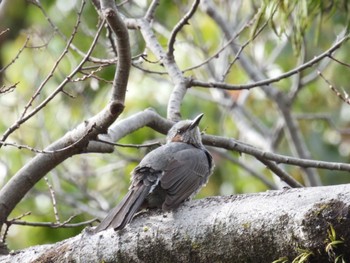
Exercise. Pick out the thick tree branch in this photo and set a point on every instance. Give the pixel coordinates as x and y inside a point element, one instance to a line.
<point>254,228</point>
<point>177,77</point>
<point>118,130</point>
<point>121,77</point>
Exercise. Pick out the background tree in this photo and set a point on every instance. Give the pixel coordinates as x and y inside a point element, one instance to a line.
<point>271,74</point>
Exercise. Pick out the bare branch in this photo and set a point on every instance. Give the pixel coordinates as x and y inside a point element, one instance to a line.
<point>59,32</point>
<point>217,53</point>
<point>297,142</point>
<point>118,130</point>
<point>34,170</point>
<point>123,49</point>
<point>338,61</point>
<point>8,224</point>
<point>53,199</point>
<point>137,146</point>
<point>4,31</point>
<point>310,63</point>
<point>250,170</point>
<point>89,75</point>
<point>180,82</point>
<point>153,120</point>
<point>280,173</point>
<point>101,132</point>
<point>231,144</point>
<point>179,26</point>
<point>344,97</point>
<point>256,34</point>
<point>262,226</point>
<point>64,224</point>
<point>24,117</point>
<point>10,88</point>
<point>151,10</point>
<point>17,55</point>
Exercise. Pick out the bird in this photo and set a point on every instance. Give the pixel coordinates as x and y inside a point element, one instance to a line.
<point>166,176</point>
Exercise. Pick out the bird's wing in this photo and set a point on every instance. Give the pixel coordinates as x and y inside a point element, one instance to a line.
<point>183,177</point>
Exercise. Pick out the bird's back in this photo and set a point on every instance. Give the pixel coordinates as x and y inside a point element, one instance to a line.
<point>159,158</point>
<point>184,170</point>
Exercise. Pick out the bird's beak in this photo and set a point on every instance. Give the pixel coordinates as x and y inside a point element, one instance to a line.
<point>196,121</point>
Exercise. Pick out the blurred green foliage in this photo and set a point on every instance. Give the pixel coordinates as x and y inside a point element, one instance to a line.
<point>88,183</point>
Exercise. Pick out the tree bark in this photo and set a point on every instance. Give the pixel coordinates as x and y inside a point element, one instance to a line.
<point>262,227</point>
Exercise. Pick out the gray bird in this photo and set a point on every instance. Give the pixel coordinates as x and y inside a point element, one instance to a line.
<point>165,177</point>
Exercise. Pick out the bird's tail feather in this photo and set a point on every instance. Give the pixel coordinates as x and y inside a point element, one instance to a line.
<point>122,214</point>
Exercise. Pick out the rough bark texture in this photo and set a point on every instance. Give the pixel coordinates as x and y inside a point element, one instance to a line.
<point>244,228</point>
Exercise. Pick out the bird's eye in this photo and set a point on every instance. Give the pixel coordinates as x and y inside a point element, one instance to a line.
<point>181,131</point>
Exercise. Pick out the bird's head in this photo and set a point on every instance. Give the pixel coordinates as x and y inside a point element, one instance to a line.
<point>186,131</point>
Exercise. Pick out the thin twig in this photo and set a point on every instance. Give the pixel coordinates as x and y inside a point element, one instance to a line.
<point>10,88</point>
<point>250,170</point>
<point>57,30</point>
<point>89,75</point>
<point>57,62</point>
<point>224,75</point>
<point>179,26</point>
<point>338,61</point>
<point>269,81</point>
<point>231,144</point>
<point>54,225</point>
<point>53,198</point>
<point>21,146</point>
<point>4,31</point>
<point>150,71</point>
<point>110,38</point>
<point>284,176</point>
<point>344,97</point>
<point>17,55</point>
<point>149,16</point>
<point>144,145</point>
<point>20,121</point>
<point>41,164</point>
<point>324,117</point>
<point>217,53</point>
<point>8,224</point>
